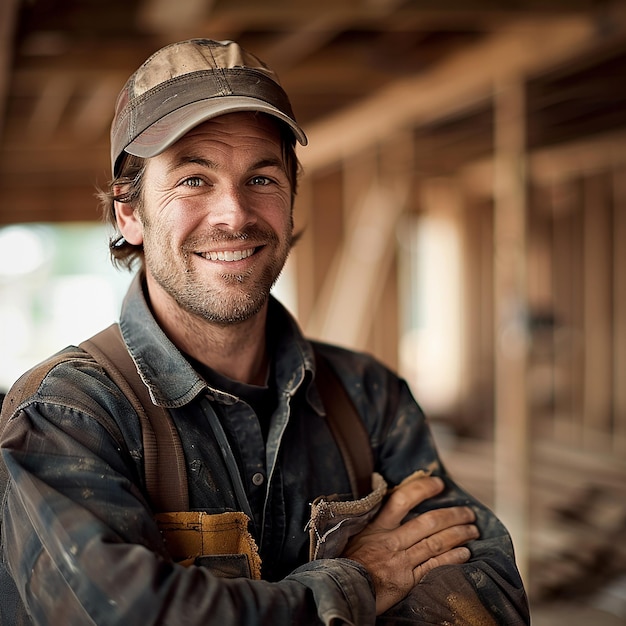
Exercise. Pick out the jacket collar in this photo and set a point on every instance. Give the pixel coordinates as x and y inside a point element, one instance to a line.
<point>171,379</point>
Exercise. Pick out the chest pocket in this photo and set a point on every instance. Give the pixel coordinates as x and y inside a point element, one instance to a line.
<point>220,542</point>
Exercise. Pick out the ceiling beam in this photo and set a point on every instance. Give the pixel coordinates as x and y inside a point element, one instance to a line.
<point>94,117</point>
<point>50,204</point>
<point>465,78</point>
<point>165,16</point>
<point>295,46</point>
<point>555,164</point>
<point>285,14</point>
<point>50,106</point>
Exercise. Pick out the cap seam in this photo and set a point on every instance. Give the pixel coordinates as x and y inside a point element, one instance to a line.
<point>221,71</point>
<point>135,102</point>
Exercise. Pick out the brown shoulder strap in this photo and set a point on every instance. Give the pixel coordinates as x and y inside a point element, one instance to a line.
<point>164,460</point>
<point>28,384</point>
<point>23,389</point>
<point>347,427</point>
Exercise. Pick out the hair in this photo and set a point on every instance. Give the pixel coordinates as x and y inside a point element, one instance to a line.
<point>129,184</point>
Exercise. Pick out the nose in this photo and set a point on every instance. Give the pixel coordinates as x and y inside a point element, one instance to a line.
<point>229,210</point>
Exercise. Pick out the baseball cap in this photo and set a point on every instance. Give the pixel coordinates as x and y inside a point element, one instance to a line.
<point>187,83</point>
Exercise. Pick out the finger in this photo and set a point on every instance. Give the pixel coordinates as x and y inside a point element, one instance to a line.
<point>445,540</point>
<point>405,497</point>
<point>441,542</point>
<point>457,556</point>
<point>422,526</point>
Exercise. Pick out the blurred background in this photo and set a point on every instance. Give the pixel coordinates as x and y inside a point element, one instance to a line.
<point>463,203</point>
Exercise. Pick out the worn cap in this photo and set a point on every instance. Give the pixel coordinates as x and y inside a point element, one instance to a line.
<point>186,83</point>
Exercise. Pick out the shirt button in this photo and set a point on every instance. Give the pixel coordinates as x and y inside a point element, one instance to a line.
<point>257,479</point>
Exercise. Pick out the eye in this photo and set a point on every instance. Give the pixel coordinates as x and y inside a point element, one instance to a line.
<point>260,180</point>
<point>193,181</point>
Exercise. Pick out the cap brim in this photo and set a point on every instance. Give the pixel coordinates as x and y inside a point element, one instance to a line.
<point>171,127</point>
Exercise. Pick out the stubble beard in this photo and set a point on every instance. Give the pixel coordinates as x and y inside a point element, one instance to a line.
<point>231,298</point>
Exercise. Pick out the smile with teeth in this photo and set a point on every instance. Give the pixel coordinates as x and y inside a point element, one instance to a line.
<point>229,255</point>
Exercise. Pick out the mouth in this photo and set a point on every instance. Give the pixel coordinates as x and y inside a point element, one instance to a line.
<point>228,255</point>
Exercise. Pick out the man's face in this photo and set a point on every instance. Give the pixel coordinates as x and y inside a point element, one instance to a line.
<point>216,219</point>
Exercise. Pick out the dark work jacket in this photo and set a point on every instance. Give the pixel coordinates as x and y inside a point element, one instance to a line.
<point>79,536</point>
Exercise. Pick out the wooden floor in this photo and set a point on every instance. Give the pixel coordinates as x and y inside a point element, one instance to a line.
<point>577,535</point>
<point>573,614</point>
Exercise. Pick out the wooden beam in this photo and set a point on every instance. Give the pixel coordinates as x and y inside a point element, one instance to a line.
<point>164,16</point>
<point>511,316</point>
<point>8,13</point>
<point>93,119</point>
<point>50,106</point>
<point>303,41</point>
<point>465,78</point>
<point>461,14</point>
<point>619,311</point>
<point>359,268</point>
<point>54,157</point>
<point>597,314</point>
<point>477,278</point>
<point>49,204</point>
<point>304,252</point>
<point>347,288</point>
<point>555,164</point>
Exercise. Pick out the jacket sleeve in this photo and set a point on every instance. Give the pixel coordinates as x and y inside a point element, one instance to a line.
<point>82,546</point>
<point>488,589</point>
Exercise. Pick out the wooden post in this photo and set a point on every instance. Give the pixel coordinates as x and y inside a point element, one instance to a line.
<point>567,232</point>
<point>303,254</point>
<point>619,311</point>
<point>8,13</point>
<point>596,418</point>
<point>510,302</point>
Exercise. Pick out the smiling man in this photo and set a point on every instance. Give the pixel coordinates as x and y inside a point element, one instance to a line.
<point>204,180</point>
<point>212,270</point>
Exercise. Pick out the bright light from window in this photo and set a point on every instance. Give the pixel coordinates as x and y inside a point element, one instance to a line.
<point>57,287</point>
<point>22,250</point>
<point>431,345</point>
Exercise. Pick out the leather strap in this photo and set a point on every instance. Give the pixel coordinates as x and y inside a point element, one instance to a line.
<point>26,386</point>
<point>164,460</point>
<point>347,427</point>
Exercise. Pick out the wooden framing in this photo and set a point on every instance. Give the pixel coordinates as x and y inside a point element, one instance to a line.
<point>355,280</point>
<point>597,284</point>
<point>619,310</point>
<point>362,177</point>
<point>510,307</point>
<point>464,79</point>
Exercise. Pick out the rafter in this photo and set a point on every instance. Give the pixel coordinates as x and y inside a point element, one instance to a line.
<point>458,82</point>
<point>166,16</point>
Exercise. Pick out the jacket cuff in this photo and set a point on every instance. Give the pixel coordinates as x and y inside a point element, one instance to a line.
<point>341,589</point>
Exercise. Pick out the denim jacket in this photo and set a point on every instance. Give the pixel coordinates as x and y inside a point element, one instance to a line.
<point>80,539</point>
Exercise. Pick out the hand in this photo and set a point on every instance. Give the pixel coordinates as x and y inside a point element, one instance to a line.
<point>398,555</point>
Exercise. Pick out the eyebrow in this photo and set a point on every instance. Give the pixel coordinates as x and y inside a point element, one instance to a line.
<point>197,160</point>
<point>186,159</point>
<point>272,162</point>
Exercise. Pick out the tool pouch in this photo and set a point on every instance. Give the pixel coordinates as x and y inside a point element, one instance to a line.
<point>220,542</point>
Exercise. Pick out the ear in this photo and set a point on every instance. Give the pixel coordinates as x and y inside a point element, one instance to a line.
<point>129,223</point>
